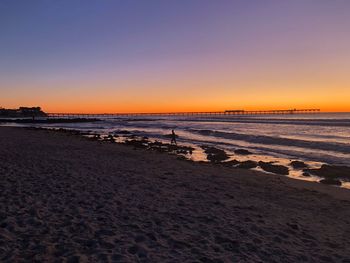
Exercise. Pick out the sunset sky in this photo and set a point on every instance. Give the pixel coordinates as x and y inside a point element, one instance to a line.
<point>176,55</point>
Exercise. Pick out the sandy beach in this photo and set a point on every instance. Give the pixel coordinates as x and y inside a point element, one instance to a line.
<point>66,199</point>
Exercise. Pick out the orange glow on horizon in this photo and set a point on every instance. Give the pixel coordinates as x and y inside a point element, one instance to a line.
<point>100,109</point>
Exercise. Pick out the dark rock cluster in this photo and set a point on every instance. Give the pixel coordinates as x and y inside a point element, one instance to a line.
<point>298,165</point>
<point>247,164</point>
<point>144,143</point>
<point>274,168</point>
<point>332,174</point>
<point>215,155</point>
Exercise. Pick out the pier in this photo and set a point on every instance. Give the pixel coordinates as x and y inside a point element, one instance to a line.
<point>201,113</point>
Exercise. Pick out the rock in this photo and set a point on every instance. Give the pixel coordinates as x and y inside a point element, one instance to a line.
<point>331,172</point>
<point>109,138</point>
<point>215,155</point>
<point>331,182</point>
<point>274,168</point>
<point>216,158</point>
<point>298,165</point>
<point>95,137</point>
<point>306,174</point>
<point>137,143</point>
<point>231,163</point>
<point>242,152</point>
<point>183,149</point>
<point>248,164</point>
<point>167,147</point>
<point>155,145</point>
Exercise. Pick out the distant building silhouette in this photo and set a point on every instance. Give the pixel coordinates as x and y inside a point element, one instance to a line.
<point>22,112</point>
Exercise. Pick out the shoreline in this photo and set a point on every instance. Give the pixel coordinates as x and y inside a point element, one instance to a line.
<point>70,198</point>
<point>263,147</point>
<point>238,158</point>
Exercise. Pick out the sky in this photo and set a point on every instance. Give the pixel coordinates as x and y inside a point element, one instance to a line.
<point>174,55</point>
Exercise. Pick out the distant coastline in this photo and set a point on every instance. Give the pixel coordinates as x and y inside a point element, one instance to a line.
<point>22,112</point>
<point>46,120</point>
<point>35,115</point>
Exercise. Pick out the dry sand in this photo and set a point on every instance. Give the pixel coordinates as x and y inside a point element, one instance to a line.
<point>66,199</point>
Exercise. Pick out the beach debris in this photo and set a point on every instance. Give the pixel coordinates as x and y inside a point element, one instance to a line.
<point>242,152</point>
<point>247,164</point>
<point>274,168</point>
<point>215,155</point>
<point>331,181</point>
<point>331,172</point>
<point>298,165</point>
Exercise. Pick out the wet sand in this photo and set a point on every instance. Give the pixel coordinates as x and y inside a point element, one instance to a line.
<point>66,199</point>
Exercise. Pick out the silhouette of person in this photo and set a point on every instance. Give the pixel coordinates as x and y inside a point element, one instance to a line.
<point>173,137</point>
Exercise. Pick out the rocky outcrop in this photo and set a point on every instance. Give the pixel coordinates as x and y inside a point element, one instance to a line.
<point>298,165</point>
<point>274,168</point>
<point>138,143</point>
<point>331,182</point>
<point>215,155</point>
<point>231,163</point>
<point>167,147</point>
<point>247,164</point>
<point>331,172</point>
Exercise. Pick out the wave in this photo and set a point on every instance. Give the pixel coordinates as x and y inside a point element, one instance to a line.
<point>262,139</point>
<point>308,122</point>
<point>277,151</point>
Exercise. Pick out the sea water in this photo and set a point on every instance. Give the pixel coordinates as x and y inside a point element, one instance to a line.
<point>313,138</point>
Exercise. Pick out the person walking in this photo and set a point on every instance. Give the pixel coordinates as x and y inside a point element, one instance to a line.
<point>173,137</point>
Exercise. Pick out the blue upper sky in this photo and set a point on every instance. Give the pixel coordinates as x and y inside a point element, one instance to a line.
<point>142,46</point>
